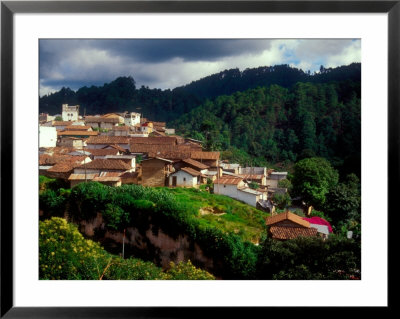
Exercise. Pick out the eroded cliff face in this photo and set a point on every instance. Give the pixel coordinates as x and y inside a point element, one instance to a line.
<point>152,240</point>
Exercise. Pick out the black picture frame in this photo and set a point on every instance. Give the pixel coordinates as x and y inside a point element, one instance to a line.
<point>9,8</point>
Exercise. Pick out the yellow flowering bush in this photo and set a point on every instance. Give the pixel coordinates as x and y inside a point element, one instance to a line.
<point>65,254</point>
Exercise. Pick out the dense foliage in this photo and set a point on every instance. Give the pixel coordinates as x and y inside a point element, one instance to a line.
<point>65,254</point>
<point>277,124</point>
<point>313,178</point>
<point>222,236</point>
<point>310,258</point>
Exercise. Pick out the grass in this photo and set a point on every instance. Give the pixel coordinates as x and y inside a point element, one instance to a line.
<point>223,212</point>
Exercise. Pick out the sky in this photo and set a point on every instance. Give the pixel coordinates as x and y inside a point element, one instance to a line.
<point>169,63</point>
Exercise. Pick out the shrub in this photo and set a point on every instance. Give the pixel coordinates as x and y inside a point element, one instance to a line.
<point>65,254</point>
<point>186,271</point>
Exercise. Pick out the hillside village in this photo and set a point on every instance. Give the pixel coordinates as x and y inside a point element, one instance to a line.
<point>126,148</point>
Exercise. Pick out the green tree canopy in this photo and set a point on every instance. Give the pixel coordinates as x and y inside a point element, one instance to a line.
<point>313,178</point>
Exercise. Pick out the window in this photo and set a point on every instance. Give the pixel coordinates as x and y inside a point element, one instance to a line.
<point>184,179</point>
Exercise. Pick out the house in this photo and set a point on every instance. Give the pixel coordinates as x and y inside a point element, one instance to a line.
<point>66,141</point>
<point>45,118</point>
<point>76,133</point>
<point>323,227</point>
<point>254,174</point>
<point>129,178</point>
<point>228,186</point>
<point>96,153</point>
<point>107,121</point>
<point>273,178</point>
<point>188,162</point>
<point>185,177</point>
<point>109,178</point>
<point>155,140</point>
<point>70,113</point>
<point>146,127</point>
<point>169,131</point>
<point>208,158</point>
<point>76,179</point>
<point>250,196</point>
<point>78,127</point>
<point>61,125</point>
<point>61,165</point>
<point>98,166</point>
<point>128,159</point>
<point>131,119</point>
<point>121,130</point>
<point>289,226</point>
<point>155,171</point>
<point>104,141</point>
<point>236,188</point>
<point>47,136</point>
<point>231,168</point>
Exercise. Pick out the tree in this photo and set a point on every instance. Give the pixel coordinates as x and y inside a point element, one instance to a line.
<point>58,118</point>
<point>344,201</point>
<point>313,178</point>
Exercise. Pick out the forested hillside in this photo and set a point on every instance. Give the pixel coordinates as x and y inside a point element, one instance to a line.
<point>280,124</point>
<point>166,105</point>
<point>267,114</point>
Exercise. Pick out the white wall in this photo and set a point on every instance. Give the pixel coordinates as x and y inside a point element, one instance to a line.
<point>70,116</point>
<point>248,198</point>
<point>47,136</point>
<point>224,189</point>
<point>191,181</point>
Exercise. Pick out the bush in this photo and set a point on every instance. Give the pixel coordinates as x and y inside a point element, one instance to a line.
<point>65,254</point>
<point>186,271</point>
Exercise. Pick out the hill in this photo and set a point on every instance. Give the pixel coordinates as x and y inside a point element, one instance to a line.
<point>166,105</point>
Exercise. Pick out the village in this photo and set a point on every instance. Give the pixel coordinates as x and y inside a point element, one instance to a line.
<point>126,148</point>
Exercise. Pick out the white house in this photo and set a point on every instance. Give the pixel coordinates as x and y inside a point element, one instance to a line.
<point>274,178</point>
<point>47,136</point>
<point>132,119</point>
<point>70,113</point>
<point>185,177</point>
<point>236,188</point>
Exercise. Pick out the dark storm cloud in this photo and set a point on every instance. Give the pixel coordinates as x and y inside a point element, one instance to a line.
<point>167,63</point>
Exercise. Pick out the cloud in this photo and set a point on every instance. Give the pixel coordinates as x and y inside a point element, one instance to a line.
<point>167,63</point>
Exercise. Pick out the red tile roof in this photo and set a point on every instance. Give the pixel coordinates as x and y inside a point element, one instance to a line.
<point>155,140</point>
<point>116,147</point>
<point>231,180</point>
<point>287,216</point>
<point>77,128</point>
<point>102,151</point>
<point>62,123</point>
<point>101,119</point>
<point>81,177</point>
<point>103,139</point>
<point>63,167</point>
<point>199,155</point>
<point>190,171</point>
<point>279,232</point>
<point>195,163</point>
<point>106,164</point>
<point>77,133</point>
<point>46,159</point>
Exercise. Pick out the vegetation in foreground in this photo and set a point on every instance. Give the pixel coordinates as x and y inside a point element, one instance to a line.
<point>65,254</point>
<point>144,207</point>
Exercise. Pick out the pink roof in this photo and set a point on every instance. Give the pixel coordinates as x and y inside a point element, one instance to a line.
<point>319,221</point>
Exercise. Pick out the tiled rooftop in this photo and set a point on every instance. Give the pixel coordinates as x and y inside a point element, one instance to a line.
<point>278,232</point>
<point>106,164</point>
<point>102,139</point>
<point>287,216</point>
